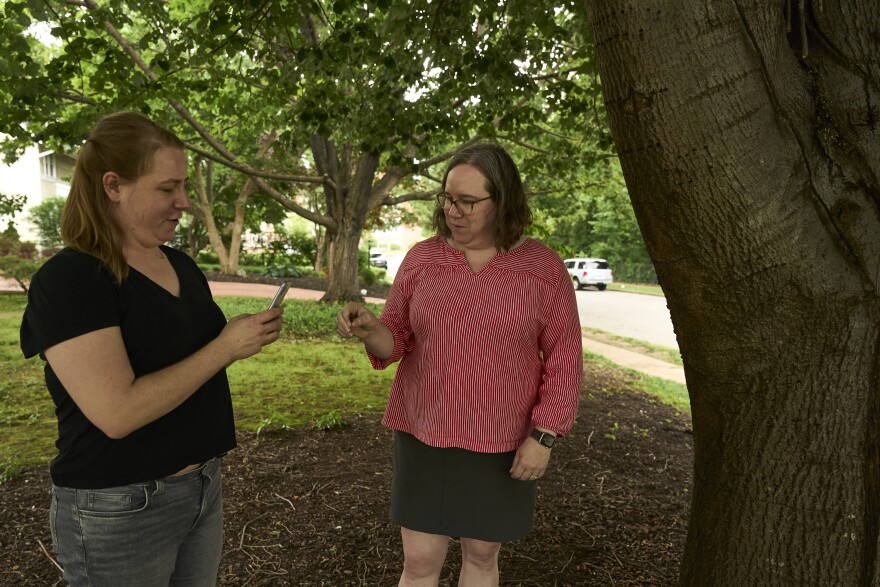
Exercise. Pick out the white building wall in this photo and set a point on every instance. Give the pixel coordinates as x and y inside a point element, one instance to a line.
<point>25,176</point>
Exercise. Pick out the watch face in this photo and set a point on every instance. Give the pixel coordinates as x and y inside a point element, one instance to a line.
<point>543,438</point>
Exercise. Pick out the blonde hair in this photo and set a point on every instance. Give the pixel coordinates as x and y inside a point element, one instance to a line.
<point>123,143</point>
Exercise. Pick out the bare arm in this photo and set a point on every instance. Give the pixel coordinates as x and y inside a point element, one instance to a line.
<point>95,370</point>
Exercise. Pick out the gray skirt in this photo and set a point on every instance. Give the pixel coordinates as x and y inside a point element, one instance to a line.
<point>459,493</point>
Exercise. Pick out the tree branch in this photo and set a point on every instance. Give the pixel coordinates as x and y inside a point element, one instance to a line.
<point>76,97</point>
<point>250,171</point>
<point>229,156</point>
<point>424,196</point>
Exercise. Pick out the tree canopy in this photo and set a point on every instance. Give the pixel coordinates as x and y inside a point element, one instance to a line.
<point>334,110</point>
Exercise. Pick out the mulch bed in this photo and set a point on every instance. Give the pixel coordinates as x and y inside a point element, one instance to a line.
<point>306,507</point>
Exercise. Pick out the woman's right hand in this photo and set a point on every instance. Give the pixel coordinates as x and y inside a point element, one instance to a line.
<point>245,335</point>
<point>355,320</point>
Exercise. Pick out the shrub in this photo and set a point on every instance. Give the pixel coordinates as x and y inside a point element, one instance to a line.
<point>207,256</point>
<point>332,420</point>
<point>283,271</point>
<point>366,276</point>
<point>18,259</point>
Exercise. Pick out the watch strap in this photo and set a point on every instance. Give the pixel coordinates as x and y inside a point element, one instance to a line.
<point>545,439</point>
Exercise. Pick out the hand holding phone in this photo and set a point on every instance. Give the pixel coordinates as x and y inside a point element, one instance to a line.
<point>279,295</point>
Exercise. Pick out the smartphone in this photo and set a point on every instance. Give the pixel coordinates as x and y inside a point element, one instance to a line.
<point>279,295</point>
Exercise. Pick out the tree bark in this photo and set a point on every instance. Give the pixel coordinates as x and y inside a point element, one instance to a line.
<point>748,135</point>
<point>347,203</point>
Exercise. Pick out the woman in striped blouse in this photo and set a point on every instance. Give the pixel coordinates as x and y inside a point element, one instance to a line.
<point>484,323</point>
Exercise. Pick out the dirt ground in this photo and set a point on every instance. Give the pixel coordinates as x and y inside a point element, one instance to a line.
<point>307,508</point>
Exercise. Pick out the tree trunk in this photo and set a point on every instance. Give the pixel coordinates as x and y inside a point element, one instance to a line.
<point>347,202</point>
<point>342,269</point>
<point>752,157</point>
<point>227,257</point>
<point>320,247</point>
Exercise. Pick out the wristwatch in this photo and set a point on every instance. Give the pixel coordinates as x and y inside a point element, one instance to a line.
<point>545,439</point>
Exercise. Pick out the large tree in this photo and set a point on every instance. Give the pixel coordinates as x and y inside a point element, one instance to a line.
<point>359,101</point>
<point>749,136</point>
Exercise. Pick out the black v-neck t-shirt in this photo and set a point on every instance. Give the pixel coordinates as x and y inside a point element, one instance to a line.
<point>74,293</point>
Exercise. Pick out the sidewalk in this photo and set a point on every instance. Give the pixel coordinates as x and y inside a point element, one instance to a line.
<point>262,290</point>
<point>616,355</point>
<point>636,361</point>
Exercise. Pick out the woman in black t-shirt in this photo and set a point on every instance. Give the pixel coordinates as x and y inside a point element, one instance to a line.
<point>135,351</point>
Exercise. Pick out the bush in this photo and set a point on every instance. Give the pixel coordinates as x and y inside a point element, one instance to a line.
<point>283,271</point>
<point>207,256</point>
<point>634,273</point>
<point>366,276</point>
<point>295,248</point>
<point>18,260</point>
<point>46,216</point>
<point>332,420</point>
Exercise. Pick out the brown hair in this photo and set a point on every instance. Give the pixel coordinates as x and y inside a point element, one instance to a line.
<point>503,183</point>
<point>123,143</point>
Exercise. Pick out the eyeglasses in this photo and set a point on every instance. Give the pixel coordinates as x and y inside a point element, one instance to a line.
<point>465,207</point>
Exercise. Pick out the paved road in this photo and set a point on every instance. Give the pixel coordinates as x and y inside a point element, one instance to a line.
<point>640,316</point>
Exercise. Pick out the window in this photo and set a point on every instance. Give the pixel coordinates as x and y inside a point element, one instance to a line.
<point>47,166</point>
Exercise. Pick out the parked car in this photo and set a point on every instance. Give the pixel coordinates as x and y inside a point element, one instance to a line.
<point>378,260</point>
<point>589,271</point>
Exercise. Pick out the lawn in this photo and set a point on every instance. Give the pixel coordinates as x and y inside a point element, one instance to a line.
<point>308,378</point>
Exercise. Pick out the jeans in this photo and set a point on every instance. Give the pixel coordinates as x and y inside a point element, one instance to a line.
<point>163,532</point>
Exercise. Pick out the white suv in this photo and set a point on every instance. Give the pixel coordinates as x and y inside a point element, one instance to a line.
<point>377,259</point>
<point>589,271</point>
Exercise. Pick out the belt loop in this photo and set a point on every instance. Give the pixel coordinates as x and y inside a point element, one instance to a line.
<point>206,469</point>
<point>160,487</point>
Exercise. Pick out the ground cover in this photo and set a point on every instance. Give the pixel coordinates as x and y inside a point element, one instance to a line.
<point>306,507</point>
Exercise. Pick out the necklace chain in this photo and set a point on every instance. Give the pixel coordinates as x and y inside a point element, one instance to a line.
<point>161,255</point>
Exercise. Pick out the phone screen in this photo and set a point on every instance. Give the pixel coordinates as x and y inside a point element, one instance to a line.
<point>279,295</point>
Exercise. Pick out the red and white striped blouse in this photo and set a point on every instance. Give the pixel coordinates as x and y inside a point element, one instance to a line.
<point>487,355</point>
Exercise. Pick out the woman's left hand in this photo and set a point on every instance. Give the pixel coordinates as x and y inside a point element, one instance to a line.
<point>530,462</point>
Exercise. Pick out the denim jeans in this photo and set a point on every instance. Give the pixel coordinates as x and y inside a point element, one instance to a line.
<point>163,532</point>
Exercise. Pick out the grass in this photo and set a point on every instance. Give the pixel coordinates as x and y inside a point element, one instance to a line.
<point>27,415</point>
<point>308,378</point>
<point>654,290</point>
<point>664,353</point>
<point>669,392</point>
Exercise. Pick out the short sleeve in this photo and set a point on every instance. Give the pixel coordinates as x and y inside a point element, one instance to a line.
<point>72,294</point>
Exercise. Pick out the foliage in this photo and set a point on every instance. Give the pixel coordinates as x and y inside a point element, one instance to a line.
<point>18,259</point>
<point>596,221</point>
<point>283,270</point>
<point>12,302</point>
<point>332,420</point>
<point>350,107</point>
<point>46,216</point>
<point>643,273</point>
<point>289,247</point>
<point>10,467</point>
<point>10,205</point>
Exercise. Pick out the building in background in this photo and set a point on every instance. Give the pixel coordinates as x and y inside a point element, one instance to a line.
<point>38,175</point>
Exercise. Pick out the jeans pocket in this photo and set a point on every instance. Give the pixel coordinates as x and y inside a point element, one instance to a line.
<point>113,502</point>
